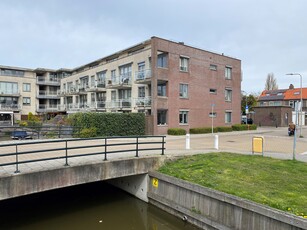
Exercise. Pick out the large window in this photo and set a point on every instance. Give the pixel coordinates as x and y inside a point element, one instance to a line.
<point>162,117</point>
<point>26,101</point>
<point>101,79</point>
<point>162,89</point>
<point>26,87</point>
<point>228,72</point>
<point>162,60</point>
<point>183,117</point>
<point>228,94</point>
<point>8,88</point>
<point>141,92</point>
<point>183,90</point>
<point>184,64</point>
<point>10,72</point>
<point>228,117</point>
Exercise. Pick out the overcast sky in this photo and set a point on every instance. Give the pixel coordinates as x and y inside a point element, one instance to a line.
<point>268,36</point>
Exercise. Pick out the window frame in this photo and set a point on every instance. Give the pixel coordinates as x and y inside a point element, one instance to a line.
<point>160,113</point>
<point>26,101</point>
<point>162,60</point>
<point>228,72</point>
<point>184,64</point>
<point>26,87</point>
<point>228,117</point>
<point>228,95</point>
<point>183,117</point>
<point>182,90</point>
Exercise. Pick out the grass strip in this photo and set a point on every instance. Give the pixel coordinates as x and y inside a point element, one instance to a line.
<point>281,184</point>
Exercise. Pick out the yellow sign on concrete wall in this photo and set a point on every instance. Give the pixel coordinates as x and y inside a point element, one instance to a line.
<point>155,182</point>
<point>258,145</point>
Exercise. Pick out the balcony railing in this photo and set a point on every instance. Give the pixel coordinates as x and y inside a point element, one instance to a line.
<point>96,86</point>
<point>47,81</point>
<point>15,93</point>
<point>143,75</point>
<point>6,107</point>
<point>119,104</point>
<point>49,108</point>
<point>47,94</point>
<point>86,106</point>
<point>142,102</point>
<point>120,81</point>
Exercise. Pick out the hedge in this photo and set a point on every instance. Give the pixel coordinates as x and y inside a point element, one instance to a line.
<point>176,131</point>
<point>203,130</point>
<point>109,124</point>
<point>242,127</point>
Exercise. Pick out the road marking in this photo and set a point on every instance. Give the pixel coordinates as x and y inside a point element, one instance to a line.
<point>305,153</point>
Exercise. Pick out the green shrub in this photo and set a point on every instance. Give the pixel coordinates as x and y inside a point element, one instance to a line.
<point>224,129</point>
<point>243,127</point>
<point>88,132</point>
<point>176,131</point>
<point>110,124</point>
<point>202,130</point>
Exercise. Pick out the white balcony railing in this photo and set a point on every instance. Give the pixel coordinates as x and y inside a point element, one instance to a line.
<point>119,104</point>
<point>47,80</point>
<point>142,102</point>
<point>122,80</point>
<point>143,75</point>
<point>47,94</point>
<point>13,107</point>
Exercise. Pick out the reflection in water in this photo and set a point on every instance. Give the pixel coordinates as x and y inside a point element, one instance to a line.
<point>91,206</point>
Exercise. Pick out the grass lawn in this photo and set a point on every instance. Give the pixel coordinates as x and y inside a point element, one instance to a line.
<point>281,184</point>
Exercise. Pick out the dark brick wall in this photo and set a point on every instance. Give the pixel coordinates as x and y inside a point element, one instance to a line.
<point>273,115</point>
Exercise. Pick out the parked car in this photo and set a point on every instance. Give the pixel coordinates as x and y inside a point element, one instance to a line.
<point>20,135</point>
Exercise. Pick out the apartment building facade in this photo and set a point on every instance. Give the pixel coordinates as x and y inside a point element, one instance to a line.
<point>175,85</point>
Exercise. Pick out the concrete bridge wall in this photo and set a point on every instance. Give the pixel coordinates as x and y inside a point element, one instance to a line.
<point>28,183</point>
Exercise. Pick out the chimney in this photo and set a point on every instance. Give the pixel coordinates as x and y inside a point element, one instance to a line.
<point>291,86</point>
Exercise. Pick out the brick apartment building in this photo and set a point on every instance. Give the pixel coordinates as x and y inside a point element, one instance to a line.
<point>175,85</point>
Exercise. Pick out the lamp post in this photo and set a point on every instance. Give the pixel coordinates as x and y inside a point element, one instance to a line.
<point>301,108</point>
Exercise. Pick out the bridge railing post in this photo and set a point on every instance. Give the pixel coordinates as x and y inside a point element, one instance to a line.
<point>105,149</point>
<point>137,147</point>
<point>163,145</point>
<point>17,170</point>
<point>66,154</point>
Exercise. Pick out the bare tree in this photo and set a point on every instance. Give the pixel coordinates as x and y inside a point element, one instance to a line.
<point>271,82</point>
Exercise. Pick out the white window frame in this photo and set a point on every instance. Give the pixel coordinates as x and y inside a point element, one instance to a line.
<point>183,90</point>
<point>183,117</point>
<point>212,114</point>
<point>184,64</point>
<point>26,101</point>
<point>228,72</point>
<point>213,67</point>
<point>228,95</point>
<point>228,117</point>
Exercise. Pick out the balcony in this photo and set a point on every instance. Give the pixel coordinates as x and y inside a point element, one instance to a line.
<point>6,107</point>
<point>119,104</point>
<point>142,102</point>
<point>143,77</point>
<point>99,86</point>
<point>93,106</point>
<point>44,108</point>
<point>44,94</point>
<point>10,93</point>
<point>40,80</point>
<point>121,82</point>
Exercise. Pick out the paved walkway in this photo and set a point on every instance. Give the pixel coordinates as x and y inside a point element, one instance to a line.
<point>276,144</point>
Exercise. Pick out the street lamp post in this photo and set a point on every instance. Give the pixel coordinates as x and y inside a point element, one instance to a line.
<point>301,108</point>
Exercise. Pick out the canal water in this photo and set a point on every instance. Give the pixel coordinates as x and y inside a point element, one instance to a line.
<point>91,206</point>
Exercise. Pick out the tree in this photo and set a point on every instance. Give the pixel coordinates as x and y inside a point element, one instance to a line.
<point>249,100</point>
<point>271,82</point>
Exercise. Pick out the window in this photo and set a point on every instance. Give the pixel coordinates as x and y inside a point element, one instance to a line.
<point>228,71</point>
<point>141,71</point>
<point>141,92</point>
<point>8,88</point>
<point>161,117</point>
<point>26,87</point>
<point>113,75</point>
<point>93,97</point>
<point>26,101</point>
<point>184,64</point>
<point>228,94</point>
<point>162,60</point>
<point>10,72</point>
<point>212,91</point>
<point>101,79</point>
<point>213,67</point>
<point>162,89</point>
<point>227,117</point>
<point>212,114</point>
<point>183,90</point>
<point>183,117</point>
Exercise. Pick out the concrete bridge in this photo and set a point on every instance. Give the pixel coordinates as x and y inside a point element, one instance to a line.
<point>35,166</point>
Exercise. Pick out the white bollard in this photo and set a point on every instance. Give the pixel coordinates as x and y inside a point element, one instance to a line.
<point>216,142</point>
<point>187,141</point>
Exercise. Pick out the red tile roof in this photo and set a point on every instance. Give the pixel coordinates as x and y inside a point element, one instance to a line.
<point>295,94</point>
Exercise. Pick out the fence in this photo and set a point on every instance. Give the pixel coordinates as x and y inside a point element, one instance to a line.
<point>34,151</point>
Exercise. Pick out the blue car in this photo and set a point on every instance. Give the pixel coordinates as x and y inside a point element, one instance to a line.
<point>20,135</point>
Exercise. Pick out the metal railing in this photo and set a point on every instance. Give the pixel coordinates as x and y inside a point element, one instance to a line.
<point>30,152</point>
